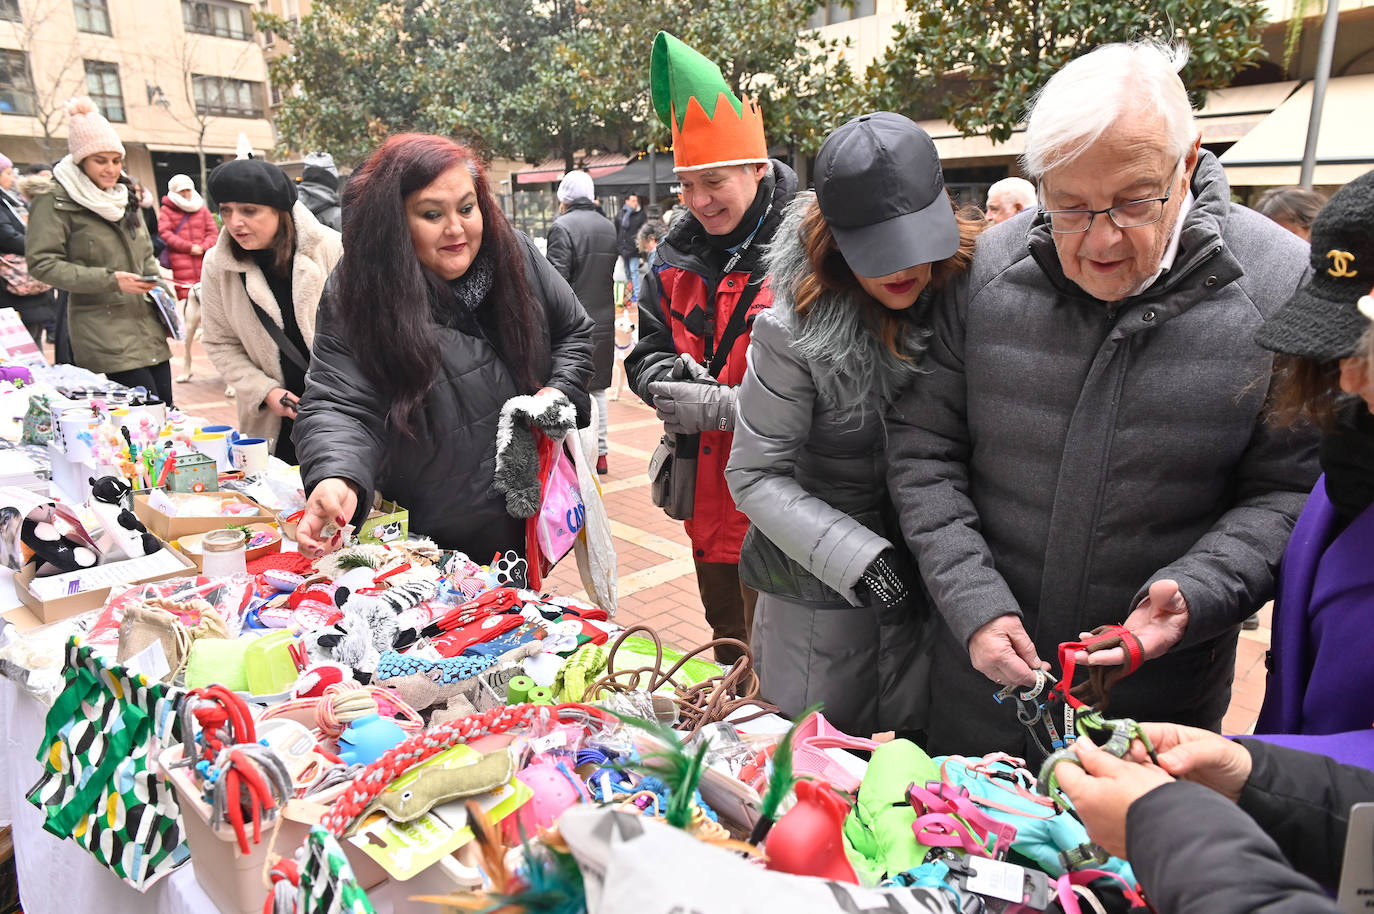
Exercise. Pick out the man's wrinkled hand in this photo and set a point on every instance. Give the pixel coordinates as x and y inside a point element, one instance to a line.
<point>1002,651</point>
<point>1159,622</point>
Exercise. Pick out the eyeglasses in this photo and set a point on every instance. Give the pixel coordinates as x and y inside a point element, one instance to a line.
<point>1126,215</point>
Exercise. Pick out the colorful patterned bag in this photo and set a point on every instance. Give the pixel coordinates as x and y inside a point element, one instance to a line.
<point>327,882</point>
<point>100,784</point>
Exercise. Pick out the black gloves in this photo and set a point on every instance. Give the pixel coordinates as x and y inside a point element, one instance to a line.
<point>882,588</point>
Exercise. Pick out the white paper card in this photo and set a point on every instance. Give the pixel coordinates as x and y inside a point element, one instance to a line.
<point>1357,874</point>
<point>996,879</point>
<point>151,662</point>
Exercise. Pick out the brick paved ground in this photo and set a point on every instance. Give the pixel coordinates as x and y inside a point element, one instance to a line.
<point>657,584</point>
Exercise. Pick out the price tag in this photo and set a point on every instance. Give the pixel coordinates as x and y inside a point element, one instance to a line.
<point>996,879</point>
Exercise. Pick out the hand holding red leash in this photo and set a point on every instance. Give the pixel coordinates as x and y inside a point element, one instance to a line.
<point>1158,622</point>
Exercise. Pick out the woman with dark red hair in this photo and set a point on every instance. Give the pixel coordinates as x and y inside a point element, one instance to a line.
<point>438,313</point>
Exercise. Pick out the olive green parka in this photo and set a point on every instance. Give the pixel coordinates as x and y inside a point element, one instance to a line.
<point>73,248</point>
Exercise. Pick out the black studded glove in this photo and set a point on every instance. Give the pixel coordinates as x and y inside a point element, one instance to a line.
<point>882,588</point>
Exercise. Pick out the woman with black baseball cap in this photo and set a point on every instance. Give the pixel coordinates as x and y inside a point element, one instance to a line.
<point>841,618</point>
<point>1321,681</point>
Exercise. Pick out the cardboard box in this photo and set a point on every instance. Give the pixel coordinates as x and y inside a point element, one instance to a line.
<point>168,528</point>
<point>189,546</point>
<point>387,522</point>
<point>63,607</point>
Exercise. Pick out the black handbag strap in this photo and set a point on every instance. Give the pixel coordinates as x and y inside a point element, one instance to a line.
<point>288,348</point>
<point>735,328</point>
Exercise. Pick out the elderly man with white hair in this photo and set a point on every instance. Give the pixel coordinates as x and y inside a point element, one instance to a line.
<point>1089,446</point>
<point>1008,197</point>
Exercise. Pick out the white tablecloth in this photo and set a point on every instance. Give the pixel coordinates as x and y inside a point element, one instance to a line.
<point>57,876</point>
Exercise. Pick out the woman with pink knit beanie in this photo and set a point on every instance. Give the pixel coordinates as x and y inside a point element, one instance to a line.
<point>86,236</point>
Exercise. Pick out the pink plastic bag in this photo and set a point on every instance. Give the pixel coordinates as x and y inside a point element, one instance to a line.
<point>561,513</point>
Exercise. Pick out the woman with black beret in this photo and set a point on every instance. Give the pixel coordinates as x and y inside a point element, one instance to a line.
<point>261,284</point>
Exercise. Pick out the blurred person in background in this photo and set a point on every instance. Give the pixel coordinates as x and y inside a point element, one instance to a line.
<point>582,248</point>
<point>36,309</point>
<point>188,229</point>
<point>1008,197</point>
<point>260,288</point>
<point>1294,208</point>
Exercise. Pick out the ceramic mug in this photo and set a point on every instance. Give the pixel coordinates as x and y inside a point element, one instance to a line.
<point>214,445</point>
<point>226,430</point>
<point>250,455</point>
<point>76,428</point>
<point>157,412</point>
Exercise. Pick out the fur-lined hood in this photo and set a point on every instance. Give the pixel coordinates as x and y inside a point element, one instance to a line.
<point>33,185</point>
<point>834,333</point>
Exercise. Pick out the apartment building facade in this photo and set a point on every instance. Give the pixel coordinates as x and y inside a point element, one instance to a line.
<point>174,77</point>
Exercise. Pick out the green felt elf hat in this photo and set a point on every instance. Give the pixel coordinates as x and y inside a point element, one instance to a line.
<point>711,126</point>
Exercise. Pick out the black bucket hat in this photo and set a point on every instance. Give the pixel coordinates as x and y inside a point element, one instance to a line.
<point>1322,321</point>
<point>882,193</point>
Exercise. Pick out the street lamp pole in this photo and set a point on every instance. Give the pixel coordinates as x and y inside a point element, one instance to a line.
<point>1323,75</point>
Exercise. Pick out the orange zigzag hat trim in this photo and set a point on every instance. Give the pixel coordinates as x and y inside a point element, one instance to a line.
<point>726,138</point>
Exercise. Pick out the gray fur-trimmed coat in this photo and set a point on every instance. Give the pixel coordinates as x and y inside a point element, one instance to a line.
<point>1064,453</point>
<point>807,467</point>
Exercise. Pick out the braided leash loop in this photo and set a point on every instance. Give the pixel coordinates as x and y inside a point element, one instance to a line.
<point>1095,693</point>
<point>373,779</point>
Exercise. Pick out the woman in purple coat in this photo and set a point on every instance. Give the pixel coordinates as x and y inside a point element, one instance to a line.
<point>1321,679</point>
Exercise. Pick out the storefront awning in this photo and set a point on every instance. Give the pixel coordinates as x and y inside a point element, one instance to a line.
<point>1228,115</point>
<point>1271,154</point>
<point>956,149</point>
<point>598,166</point>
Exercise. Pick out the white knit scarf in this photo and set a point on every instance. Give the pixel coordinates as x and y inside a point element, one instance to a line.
<point>187,206</point>
<point>107,204</point>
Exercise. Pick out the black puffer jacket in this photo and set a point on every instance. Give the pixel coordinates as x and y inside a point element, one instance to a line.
<point>443,475</point>
<point>1194,851</point>
<point>34,310</point>
<point>582,250</point>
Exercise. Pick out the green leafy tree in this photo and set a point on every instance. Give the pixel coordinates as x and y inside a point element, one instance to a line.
<point>530,78</point>
<point>977,63</point>
<point>356,72</point>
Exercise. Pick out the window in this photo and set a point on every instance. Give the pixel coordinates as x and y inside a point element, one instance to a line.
<point>92,16</point>
<point>228,97</point>
<point>217,17</point>
<point>9,9</point>
<point>102,85</point>
<point>16,85</point>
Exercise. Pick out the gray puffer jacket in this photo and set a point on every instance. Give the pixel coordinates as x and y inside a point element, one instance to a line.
<point>1065,453</point>
<point>807,465</point>
<point>807,468</point>
<point>443,475</point>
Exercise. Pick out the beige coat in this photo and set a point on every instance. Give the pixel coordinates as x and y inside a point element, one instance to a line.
<point>238,344</point>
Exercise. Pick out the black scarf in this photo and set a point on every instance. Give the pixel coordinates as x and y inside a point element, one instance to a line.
<point>749,222</point>
<point>1347,458</point>
<point>469,292</point>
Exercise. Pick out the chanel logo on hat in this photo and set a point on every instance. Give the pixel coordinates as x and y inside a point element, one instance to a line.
<point>1341,261</point>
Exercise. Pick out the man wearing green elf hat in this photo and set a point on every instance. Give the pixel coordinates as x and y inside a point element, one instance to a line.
<point>698,304</point>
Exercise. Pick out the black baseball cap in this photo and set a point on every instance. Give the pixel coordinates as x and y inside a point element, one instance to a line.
<point>1322,320</point>
<point>882,193</point>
